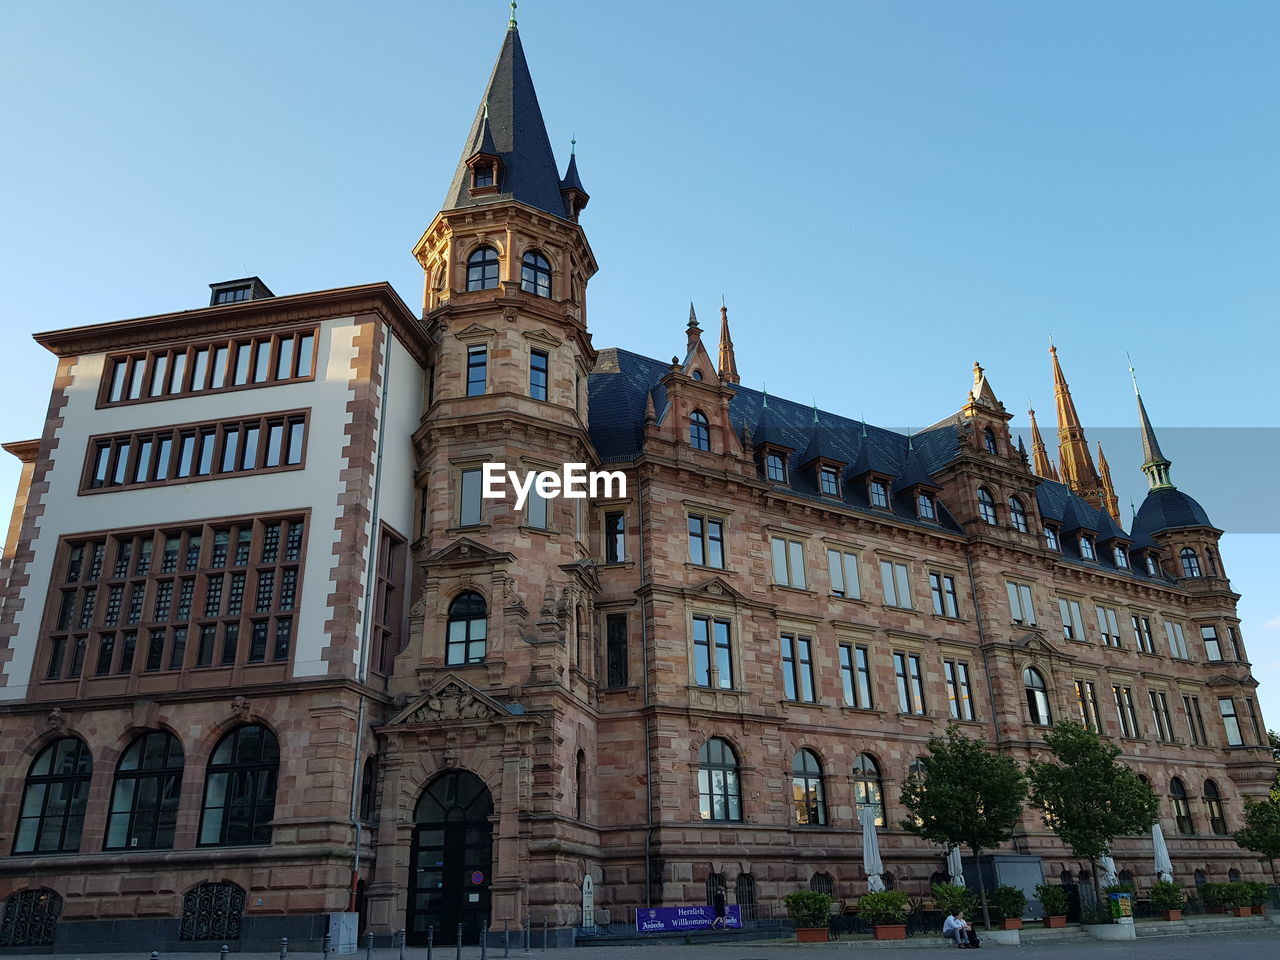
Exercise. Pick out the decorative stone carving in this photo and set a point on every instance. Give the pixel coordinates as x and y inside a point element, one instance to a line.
<point>451,702</point>
<point>240,707</point>
<point>57,721</point>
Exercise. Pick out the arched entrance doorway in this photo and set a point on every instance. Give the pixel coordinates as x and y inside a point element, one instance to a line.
<point>451,865</point>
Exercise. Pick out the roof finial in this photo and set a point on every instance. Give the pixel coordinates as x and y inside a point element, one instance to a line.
<point>693,317</point>
<point>512,22</point>
<point>815,410</point>
<point>573,144</point>
<point>864,425</point>
<point>1132,374</point>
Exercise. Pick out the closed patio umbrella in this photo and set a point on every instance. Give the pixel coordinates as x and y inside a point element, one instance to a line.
<point>954,867</point>
<point>871,862</point>
<point>1109,875</point>
<point>1164,866</point>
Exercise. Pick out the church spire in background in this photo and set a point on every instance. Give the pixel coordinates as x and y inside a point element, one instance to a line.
<point>1040,456</point>
<point>1074,460</point>
<point>728,364</point>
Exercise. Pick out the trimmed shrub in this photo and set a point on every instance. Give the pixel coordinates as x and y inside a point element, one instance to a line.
<point>808,908</point>
<point>1008,903</point>
<point>881,909</point>
<point>1053,898</point>
<point>1167,896</point>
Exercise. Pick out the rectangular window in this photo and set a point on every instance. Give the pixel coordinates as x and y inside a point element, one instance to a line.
<point>388,601</point>
<point>164,622</point>
<point>896,585</point>
<point>843,570</point>
<point>1177,640</point>
<point>706,541</point>
<point>829,481</point>
<point>1126,711</point>
<point>925,508</point>
<point>788,562</point>
<point>1212,647</point>
<point>1227,707</point>
<point>477,369</point>
<point>131,460</point>
<point>538,374</point>
<point>775,468</point>
<point>910,683</point>
<point>797,667</point>
<point>1142,631</point>
<point>878,494</point>
<point>538,509</point>
<point>186,370</point>
<point>1237,651</point>
<point>471,510</point>
<point>1108,627</point>
<point>712,654</point>
<point>615,537</point>
<point>1087,702</point>
<point>959,691</point>
<point>616,656</point>
<point>1253,721</point>
<point>1160,714</point>
<point>855,676</point>
<point>1072,620</point>
<point>943,588</point>
<point>1021,608</point>
<point>1195,720</point>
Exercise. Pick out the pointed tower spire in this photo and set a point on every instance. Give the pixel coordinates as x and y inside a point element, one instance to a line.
<point>1078,471</point>
<point>571,189</point>
<point>511,120</point>
<point>1154,463</point>
<point>1109,499</point>
<point>728,363</point>
<point>1040,457</point>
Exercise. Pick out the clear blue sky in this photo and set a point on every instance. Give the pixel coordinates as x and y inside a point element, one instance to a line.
<point>884,192</point>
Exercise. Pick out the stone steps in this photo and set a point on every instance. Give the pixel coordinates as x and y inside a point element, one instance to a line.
<point>1202,924</point>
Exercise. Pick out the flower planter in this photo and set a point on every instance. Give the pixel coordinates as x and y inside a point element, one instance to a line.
<point>1243,912</point>
<point>1011,923</point>
<point>1173,914</point>
<point>1259,910</point>
<point>1053,922</point>
<point>891,931</point>
<point>811,935</point>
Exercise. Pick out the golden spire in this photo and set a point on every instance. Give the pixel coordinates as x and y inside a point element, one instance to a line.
<point>1040,457</point>
<point>1078,471</point>
<point>1110,502</point>
<point>728,365</point>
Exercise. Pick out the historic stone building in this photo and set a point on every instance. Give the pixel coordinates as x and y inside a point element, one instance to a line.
<point>269,654</point>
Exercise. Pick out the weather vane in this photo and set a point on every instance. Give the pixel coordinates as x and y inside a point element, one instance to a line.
<point>513,13</point>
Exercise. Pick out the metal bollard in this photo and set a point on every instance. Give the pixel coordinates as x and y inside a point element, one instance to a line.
<point>544,934</point>
<point>368,946</point>
<point>327,943</point>
<point>224,951</point>
<point>457,948</point>
<point>284,947</point>
<point>528,933</point>
<point>402,938</point>
<point>506,938</point>
<point>155,955</point>
<point>431,939</point>
<point>484,940</point>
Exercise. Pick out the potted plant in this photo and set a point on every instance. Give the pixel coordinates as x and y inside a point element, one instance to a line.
<point>1237,899</point>
<point>810,911</point>
<point>886,912</point>
<point>1257,896</point>
<point>952,896</point>
<point>1168,898</point>
<point>1053,899</point>
<point>1009,903</point>
<point>1214,897</point>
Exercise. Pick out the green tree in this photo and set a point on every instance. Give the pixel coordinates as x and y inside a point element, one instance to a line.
<point>1086,797</point>
<point>1274,739</point>
<point>1261,832</point>
<point>965,795</point>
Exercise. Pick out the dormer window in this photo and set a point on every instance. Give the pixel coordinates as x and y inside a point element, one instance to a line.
<point>829,481</point>
<point>1121,557</point>
<point>989,440</point>
<point>1152,568</point>
<point>1190,562</point>
<point>482,269</point>
<point>1051,538</point>
<point>986,506</point>
<point>878,494</point>
<point>1086,548</point>
<point>535,274</point>
<point>231,295</point>
<point>925,508</point>
<point>699,431</point>
<point>482,175</point>
<point>775,468</point>
<point>1018,515</point>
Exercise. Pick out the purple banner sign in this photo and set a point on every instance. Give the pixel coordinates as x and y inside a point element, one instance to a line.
<point>660,919</point>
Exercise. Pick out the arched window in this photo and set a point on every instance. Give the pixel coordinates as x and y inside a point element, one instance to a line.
<point>1018,515</point>
<point>1125,877</point>
<point>369,789</point>
<point>719,793</point>
<point>144,800</point>
<point>1181,808</point>
<point>482,269</point>
<point>716,883</point>
<point>535,274</point>
<point>744,891</point>
<point>1213,800</point>
<point>986,506</point>
<point>1233,875</point>
<point>699,433</point>
<point>807,799</point>
<point>1201,878</point>
<point>1190,562</point>
<point>1037,697</point>
<point>468,629</point>
<point>823,883</point>
<point>30,917</point>
<point>989,440</point>
<point>580,786</point>
<point>54,799</point>
<point>240,788</point>
<point>868,790</point>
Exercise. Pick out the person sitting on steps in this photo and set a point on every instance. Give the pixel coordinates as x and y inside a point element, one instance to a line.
<point>956,928</point>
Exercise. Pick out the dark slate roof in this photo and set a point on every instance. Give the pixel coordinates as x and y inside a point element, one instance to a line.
<point>1167,510</point>
<point>516,133</point>
<point>1073,516</point>
<point>571,179</point>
